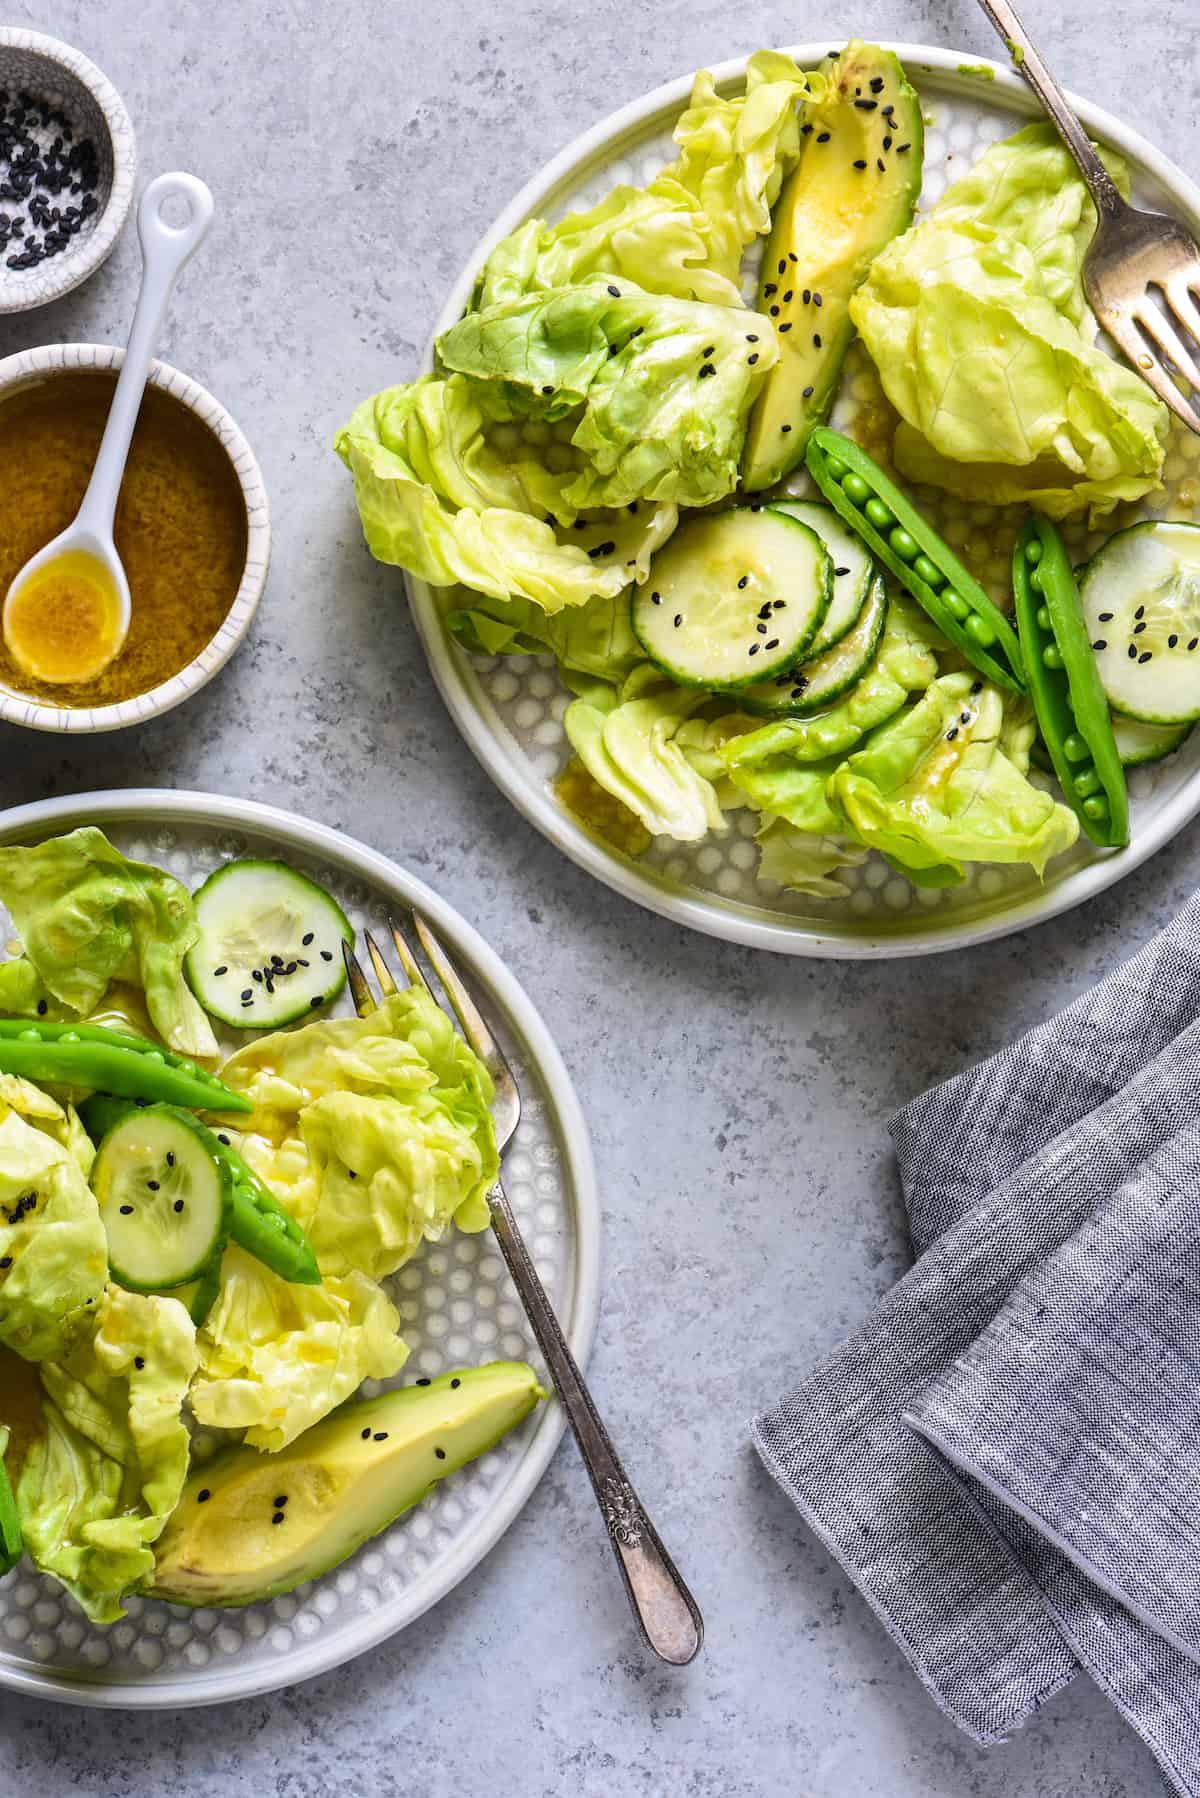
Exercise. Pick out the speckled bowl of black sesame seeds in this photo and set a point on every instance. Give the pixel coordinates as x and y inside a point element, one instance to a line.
<point>68,158</point>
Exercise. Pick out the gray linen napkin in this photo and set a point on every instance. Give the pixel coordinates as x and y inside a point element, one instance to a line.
<point>1002,1166</point>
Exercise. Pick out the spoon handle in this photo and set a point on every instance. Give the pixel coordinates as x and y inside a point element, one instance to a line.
<point>1037,76</point>
<point>166,246</point>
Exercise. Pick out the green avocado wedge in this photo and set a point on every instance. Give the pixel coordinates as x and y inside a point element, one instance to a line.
<point>250,1526</point>
<point>852,191</point>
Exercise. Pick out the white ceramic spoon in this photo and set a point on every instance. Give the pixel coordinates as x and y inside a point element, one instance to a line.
<point>173,219</point>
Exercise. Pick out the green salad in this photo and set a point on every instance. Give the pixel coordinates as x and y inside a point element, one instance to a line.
<point>184,1245</point>
<point>621,463</point>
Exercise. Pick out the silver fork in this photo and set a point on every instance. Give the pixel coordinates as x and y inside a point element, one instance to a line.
<point>667,1614</point>
<point>1132,254</point>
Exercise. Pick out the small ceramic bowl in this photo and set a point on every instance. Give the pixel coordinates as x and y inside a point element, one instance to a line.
<point>29,366</point>
<point>64,78</point>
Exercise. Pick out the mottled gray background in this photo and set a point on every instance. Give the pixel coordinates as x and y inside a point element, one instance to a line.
<point>737,1101</point>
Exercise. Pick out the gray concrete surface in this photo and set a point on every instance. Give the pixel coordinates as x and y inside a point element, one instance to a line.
<point>737,1101</point>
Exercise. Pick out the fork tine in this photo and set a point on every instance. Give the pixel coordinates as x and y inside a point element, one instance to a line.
<point>1180,299</point>
<point>473,1026</point>
<point>1164,334</point>
<point>1134,347</point>
<point>408,960</point>
<point>383,973</point>
<point>360,992</point>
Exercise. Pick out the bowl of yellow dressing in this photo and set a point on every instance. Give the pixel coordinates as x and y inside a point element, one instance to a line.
<point>192,530</point>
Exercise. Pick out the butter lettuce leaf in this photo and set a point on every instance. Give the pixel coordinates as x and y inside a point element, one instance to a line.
<point>100,1481</point>
<point>276,1357</point>
<point>931,792</point>
<point>664,385</point>
<point>976,321</point>
<point>805,862</point>
<point>381,1125</point>
<point>595,639</point>
<point>86,916</point>
<point>438,496</point>
<point>628,740</point>
<point>685,233</point>
<point>54,1251</point>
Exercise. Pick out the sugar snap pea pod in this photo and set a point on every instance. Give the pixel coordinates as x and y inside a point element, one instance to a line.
<point>1064,682</point>
<point>10,1522</point>
<point>110,1061</point>
<point>874,507</point>
<point>258,1223</point>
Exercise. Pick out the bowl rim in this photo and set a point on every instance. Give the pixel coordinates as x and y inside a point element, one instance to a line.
<point>70,270</point>
<point>26,366</point>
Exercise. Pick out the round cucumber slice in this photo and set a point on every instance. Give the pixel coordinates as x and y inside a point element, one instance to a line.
<point>1141,600</point>
<point>164,1199</point>
<point>1138,744</point>
<point>733,598</point>
<point>853,568</point>
<point>270,945</point>
<point>817,683</point>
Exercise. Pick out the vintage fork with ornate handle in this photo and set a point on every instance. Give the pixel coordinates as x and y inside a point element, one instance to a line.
<point>1132,253</point>
<point>667,1613</point>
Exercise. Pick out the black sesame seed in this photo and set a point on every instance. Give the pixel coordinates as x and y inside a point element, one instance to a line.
<point>786,327</point>
<point>789,295</point>
<point>745,581</point>
<point>901,148</point>
<point>952,733</point>
<point>615,291</point>
<point>752,359</point>
<point>678,619</point>
<point>366,1435</point>
<point>380,1436</point>
<point>751,337</point>
<point>805,130</point>
<point>764,611</point>
<point>547,389</point>
<point>807,393</point>
<point>42,1008</point>
<point>784,429</point>
<point>223,969</point>
<point>792,257</point>
<point>6,1260</point>
<point>769,289</point>
<point>221,1137</point>
<point>454,1384</point>
<point>279,1502</point>
<point>248,992</point>
<point>326,955</point>
<point>605,549</point>
<point>774,643</point>
<point>816,340</point>
<point>887,143</point>
<point>879,164</point>
<point>1101,643</point>
<point>817,299</point>
<point>806,296</point>
<point>257,975</point>
<point>139,1361</point>
<point>1132,653</point>
<point>1172,640</point>
<point>710,351</point>
<point>203,1496</point>
<point>753,650</point>
<point>774,312</point>
<point>153,1185</point>
<point>1105,617</point>
<point>859,163</point>
<point>761,629</point>
<point>278,1517</point>
<point>866,105</point>
<point>779,605</point>
<point>822,137</point>
<point>1138,629</point>
<point>1145,655</point>
<point>126,1210</point>
<point>317,999</point>
<point>440,1453</point>
<point>783,266</point>
<point>876,84</point>
<point>424,1382</point>
<point>170,1159</point>
<point>1193,643</point>
<point>307,938</point>
<point>1141,612</point>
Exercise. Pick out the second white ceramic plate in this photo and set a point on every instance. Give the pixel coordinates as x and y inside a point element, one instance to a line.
<point>455,1301</point>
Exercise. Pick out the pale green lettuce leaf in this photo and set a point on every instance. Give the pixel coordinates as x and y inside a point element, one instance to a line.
<point>933,793</point>
<point>976,321</point>
<point>56,1251</point>
<point>595,639</point>
<point>654,425</point>
<point>86,915</point>
<point>684,234</point>
<point>24,994</point>
<point>803,861</point>
<point>384,1129</point>
<point>628,742</point>
<point>99,1483</point>
<point>438,498</point>
<point>275,1357</point>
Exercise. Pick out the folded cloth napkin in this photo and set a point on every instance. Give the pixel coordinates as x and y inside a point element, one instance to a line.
<point>1047,1345</point>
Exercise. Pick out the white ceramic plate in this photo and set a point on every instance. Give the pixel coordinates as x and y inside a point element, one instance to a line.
<point>510,709</point>
<point>455,1301</point>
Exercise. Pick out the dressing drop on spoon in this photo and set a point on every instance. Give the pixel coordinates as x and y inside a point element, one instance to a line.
<point>66,613</point>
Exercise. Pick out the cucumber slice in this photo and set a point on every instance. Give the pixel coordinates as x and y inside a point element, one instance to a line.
<point>164,1199</point>
<point>853,569</point>
<point>1138,744</point>
<point>270,945</point>
<point>1141,600</point>
<point>815,684</point>
<point>734,597</point>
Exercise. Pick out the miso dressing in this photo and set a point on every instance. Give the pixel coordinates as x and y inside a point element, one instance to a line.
<point>180,525</point>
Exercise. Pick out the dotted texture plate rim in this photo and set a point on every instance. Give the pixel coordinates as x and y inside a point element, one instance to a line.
<point>454,1299</point>
<point>711,886</point>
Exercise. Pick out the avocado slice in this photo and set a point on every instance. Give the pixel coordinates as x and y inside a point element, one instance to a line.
<point>250,1526</point>
<point>852,191</point>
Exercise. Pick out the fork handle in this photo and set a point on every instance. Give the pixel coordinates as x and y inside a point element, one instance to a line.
<point>667,1614</point>
<point>1103,188</point>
